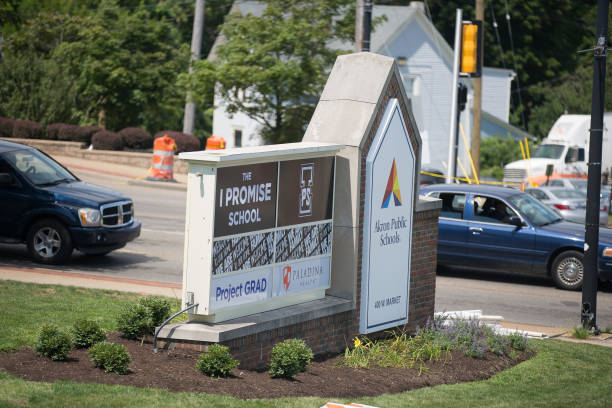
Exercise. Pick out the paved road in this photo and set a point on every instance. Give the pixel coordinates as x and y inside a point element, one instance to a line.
<point>524,299</point>
<point>157,255</point>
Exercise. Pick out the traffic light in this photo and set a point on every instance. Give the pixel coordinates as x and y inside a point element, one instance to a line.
<point>461,96</point>
<point>471,48</point>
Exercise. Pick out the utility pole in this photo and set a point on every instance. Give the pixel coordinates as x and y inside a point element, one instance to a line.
<point>477,109</point>
<point>367,25</point>
<point>196,46</point>
<point>452,137</point>
<point>588,312</point>
<point>358,24</point>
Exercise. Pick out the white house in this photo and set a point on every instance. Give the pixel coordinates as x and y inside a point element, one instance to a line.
<point>425,61</point>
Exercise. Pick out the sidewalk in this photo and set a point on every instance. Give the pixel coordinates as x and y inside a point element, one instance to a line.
<point>134,175</point>
<point>54,277</point>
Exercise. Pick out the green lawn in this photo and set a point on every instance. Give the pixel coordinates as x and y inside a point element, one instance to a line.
<point>561,375</point>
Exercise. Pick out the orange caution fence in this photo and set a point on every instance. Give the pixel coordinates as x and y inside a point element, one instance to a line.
<point>162,166</point>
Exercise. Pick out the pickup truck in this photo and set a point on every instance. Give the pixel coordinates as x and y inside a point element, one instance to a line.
<point>45,206</point>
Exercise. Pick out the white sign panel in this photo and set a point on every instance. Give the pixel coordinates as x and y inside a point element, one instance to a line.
<point>240,289</point>
<point>387,235</point>
<point>296,277</point>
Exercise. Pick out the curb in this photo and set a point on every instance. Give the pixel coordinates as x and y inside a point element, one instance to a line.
<point>158,184</point>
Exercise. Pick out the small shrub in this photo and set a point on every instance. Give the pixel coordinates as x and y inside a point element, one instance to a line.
<point>517,341</point>
<point>184,142</point>
<point>580,332</point>
<point>158,308</point>
<point>217,361</point>
<point>52,131</point>
<point>53,342</point>
<point>289,358</point>
<point>110,357</point>
<point>27,129</point>
<point>477,349</point>
<point>136,138</point>
<point>6,127</point>
<point>497,344</point>
<point>85,133</point>
<point>105,140</point>
<point>87,333</point>
<point>68,132</point>
<point>134,321</point>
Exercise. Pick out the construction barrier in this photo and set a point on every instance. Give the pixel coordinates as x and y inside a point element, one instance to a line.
<point>162,165</point>
<point>215,143</point>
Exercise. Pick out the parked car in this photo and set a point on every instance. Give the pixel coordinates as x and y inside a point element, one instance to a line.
<point>578,183</point>
<point>503,229</point>
<point>571,204</point>
<point>48,208</point>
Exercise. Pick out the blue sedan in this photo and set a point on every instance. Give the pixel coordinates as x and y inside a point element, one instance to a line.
<point>502,229</point>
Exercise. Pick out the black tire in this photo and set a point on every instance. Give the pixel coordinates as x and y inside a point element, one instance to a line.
<point>49,242</point>
<point>567,270</point>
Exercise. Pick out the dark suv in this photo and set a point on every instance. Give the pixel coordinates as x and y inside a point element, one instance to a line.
<point>52,211</point>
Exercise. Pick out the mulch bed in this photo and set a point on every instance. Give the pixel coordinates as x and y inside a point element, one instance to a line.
<point>174,371</point>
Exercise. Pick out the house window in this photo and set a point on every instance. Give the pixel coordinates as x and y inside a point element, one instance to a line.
<point>411,84</point>
<point>237,138</point>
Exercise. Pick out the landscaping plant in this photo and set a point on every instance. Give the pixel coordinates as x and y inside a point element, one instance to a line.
<point>110,357</point>
<point>53,342</point>
<point>87,333</point>
<point>134,321</point>
<point>159,309</point>
<point>289,358</point>
<point>217,361</point>
<point>139,319</point>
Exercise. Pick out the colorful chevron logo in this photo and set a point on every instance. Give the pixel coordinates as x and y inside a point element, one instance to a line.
<point>392,189</point>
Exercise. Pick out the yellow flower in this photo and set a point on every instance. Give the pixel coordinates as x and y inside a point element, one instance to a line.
<point>357,342</point>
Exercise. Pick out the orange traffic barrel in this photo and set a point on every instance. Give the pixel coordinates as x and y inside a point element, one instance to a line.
<point>215,143</point>
<point>162,165</point>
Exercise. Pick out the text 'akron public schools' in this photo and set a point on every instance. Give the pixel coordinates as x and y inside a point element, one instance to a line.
<point>395,224</point>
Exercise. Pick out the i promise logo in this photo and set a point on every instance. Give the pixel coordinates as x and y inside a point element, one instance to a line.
<point>392,189</point>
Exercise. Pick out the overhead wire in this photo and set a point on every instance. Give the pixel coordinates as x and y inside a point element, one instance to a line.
<point>501,49</point>
<point>518,82</point>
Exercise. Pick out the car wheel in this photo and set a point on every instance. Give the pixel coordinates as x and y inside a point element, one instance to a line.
<point>568,270</point>
<point>49,242</point>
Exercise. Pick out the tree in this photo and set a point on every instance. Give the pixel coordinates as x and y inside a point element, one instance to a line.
<point>497,151</point>
<point>273,67</point>
<point>122,63</point>
<point>546,35</point>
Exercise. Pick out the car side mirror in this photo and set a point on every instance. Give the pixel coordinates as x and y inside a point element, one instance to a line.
<point>516,221</point>
<point>6,179</point>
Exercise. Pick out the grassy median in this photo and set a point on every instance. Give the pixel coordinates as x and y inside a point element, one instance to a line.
<point>561,375</point>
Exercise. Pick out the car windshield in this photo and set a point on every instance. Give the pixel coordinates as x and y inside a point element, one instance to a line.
<point>561,193</point>
<point>38,168</point>
<point>580,184</point>
<point>536,212</point>
<point>549,151</point>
